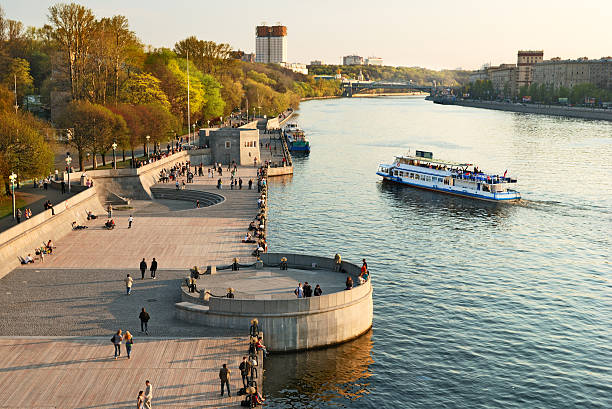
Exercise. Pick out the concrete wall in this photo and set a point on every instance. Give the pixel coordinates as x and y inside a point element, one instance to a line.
<point>572,112</point>
<point>21,239</point>
<point>280,171</point>
<point>228,144</point>
<point>295,324</point>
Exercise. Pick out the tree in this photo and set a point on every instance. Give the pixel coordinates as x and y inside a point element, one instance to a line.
<point>214,104</point>
<point>157,122</point>
<point>208,56</point>
<point>18,70</point>
<point>94,128</point>
<point>134,123</point>
<point>23,149</point>
<point>143,88</point>
<point>73,26</point>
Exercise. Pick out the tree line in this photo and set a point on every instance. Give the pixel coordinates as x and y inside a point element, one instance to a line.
<point>540,93</point>
<point>97,78</point>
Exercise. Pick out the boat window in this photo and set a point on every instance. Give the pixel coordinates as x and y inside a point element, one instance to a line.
<point>416,176</point>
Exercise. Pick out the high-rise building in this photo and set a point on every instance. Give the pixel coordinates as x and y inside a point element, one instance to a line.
<point>271,44</point>
<point>316,62</point>
<point>374,61</point>
<point>352,60</point>
<point>525,61</point>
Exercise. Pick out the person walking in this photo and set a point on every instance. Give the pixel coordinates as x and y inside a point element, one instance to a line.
<point>116,340</point>
<point>153,268</point>
<point>148,395</point>
<point>18,216</point>
<point>144,321</point>
<point>130,221</point>
<point>129,341</point>
<point>128,284</point>
<point>109,209</point>
<point>63,187</point>
<point>224,375</point>
<point>244,371</point>
<point>143,268</point>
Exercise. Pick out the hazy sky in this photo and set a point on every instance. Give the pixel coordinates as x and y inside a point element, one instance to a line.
<point>428,33</point>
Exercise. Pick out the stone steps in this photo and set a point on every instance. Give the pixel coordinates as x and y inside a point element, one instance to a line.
<point>189,195</point>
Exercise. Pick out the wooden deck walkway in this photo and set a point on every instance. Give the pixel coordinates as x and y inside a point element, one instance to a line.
<point>81,372</point>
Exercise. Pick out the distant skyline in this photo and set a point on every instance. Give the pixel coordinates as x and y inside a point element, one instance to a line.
<point>436,35</point>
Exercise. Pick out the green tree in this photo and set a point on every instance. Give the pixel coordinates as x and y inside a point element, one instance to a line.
<point>143,88</point>
<point>23,149</point>
<point>18,69</point>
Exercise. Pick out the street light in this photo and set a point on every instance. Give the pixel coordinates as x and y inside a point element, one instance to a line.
<point>12,178</point>
<point>148,137</point>
<point>68,161</point>
<point>193,133</point>
<point>114,145</point>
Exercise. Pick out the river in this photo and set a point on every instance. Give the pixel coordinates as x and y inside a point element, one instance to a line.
<point>476,305</point>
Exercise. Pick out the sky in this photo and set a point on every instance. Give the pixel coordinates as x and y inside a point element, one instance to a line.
<point>435,34</point>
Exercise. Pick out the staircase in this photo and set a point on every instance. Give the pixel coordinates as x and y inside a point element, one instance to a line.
<point>188,195</point>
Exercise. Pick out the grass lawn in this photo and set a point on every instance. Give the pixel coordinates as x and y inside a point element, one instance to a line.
<point>6,205</point>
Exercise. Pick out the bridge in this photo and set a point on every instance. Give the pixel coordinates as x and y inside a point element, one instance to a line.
<point>349,88</point>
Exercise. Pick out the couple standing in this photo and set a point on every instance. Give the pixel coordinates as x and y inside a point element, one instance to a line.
<point>145,397</point>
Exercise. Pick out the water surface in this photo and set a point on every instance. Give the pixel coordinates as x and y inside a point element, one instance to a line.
<point>476,305</point>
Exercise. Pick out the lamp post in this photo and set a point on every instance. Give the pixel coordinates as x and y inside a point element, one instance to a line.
<point>193,125</point>
<point>12,178</point>
<point>114,145</point>
<point>221,119</point>
<point>68,161</point>
<point>148,137</point>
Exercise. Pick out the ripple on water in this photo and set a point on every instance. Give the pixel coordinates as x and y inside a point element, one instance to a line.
<point>476,305</point>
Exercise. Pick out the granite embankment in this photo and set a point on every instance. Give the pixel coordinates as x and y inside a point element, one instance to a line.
<point>571,112</point>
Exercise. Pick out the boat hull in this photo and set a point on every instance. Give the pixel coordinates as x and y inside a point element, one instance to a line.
<point>508,197</point>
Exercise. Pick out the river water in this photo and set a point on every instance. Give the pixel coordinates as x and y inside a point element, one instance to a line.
<point>476,305</point>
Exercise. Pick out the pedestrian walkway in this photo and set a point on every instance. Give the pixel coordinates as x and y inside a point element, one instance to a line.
<point>70,373</point>
<point>39,197</point>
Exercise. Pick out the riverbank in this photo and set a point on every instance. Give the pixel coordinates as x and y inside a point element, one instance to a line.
<point>384,94</point>
<point>570,112</point>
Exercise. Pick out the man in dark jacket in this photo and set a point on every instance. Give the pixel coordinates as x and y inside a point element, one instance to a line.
<point>143,268</point>
<point>224,375</point>
<point>245,368</point>
<point>153,268</point>
<point>307,290</point>
<point>144,321</point>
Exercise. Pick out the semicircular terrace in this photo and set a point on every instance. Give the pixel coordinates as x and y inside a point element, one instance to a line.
<point>189,195</point>
<point>266,293</point>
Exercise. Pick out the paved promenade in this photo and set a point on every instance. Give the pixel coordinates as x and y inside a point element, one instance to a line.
<point>78,291</point>
<point>177,237</point>
<point>65,373</point>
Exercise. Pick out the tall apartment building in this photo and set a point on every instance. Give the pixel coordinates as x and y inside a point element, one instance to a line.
<point>374,61</point>
<point>568,73</point>
<point>271,44</point>
<point>316,62</point>
<point>525,61</point>
<point>504,79</point>
<point>352,60</point>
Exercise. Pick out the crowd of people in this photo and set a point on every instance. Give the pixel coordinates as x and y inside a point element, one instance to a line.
<point>157,155</point>
<point>256,232</point>
<point>39,252</point>
<point>181,169</point>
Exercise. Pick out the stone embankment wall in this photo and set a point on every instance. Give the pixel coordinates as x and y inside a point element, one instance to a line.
<point>136,183</point>
<point>21,239</point>
<point>571,112</point>
<point>296,324</point>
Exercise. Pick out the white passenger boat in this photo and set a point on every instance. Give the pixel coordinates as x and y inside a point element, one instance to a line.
<point>462,179</point>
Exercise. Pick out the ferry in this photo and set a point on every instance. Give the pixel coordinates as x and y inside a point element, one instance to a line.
<point>425,172</point>
<point>296,141</point>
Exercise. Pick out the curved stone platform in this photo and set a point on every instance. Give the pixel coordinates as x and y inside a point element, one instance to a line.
<point>290,323</point>
<point>189,195</point>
